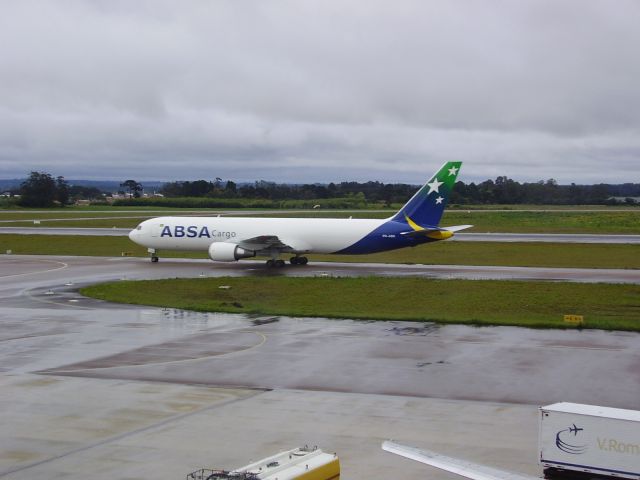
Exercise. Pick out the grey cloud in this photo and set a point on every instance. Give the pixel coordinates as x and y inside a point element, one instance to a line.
<point>306,91</point>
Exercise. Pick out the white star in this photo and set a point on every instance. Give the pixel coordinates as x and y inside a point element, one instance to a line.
<point>434,186</point>
<point>439,200</point>
<point>453,170</point>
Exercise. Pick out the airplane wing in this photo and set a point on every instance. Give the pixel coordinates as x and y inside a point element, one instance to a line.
<point>460,467</point>
<point>273,242</point>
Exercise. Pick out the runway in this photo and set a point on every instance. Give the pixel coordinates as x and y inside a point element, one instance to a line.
<point>460,237</point>
<point>91,232</point>
<point>117,391</point>
<point>546,237</point>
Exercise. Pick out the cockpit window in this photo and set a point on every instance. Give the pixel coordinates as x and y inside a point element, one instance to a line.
<point>139,227</point>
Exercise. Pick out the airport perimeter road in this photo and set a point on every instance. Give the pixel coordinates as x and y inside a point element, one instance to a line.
<point>460,237</point>
<point>91,389</point>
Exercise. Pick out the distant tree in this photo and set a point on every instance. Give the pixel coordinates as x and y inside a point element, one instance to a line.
<point>199,188</point>
<point>230,189</point>
<point>172,189</point>
<point>39,190</point>
<point>62,191</point>
<point>78,192</point>
<point>133,187</point>
<point>598,194</point>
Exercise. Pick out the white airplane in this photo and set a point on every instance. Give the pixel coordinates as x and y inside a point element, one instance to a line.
<point>474,471</point>
<point>228,239</point>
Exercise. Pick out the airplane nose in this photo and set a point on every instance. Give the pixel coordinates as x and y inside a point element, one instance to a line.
<point>132,235</point>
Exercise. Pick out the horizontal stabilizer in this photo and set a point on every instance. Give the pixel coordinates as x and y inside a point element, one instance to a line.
<point>457,228</point>
<point>436,233</point>
<point>460,467</point>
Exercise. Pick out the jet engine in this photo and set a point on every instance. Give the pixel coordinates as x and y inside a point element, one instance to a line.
<point>228,252</point>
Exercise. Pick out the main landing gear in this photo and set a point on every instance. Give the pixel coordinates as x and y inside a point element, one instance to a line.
<point>272,263</point>
<point>299,260</point>
<point>277,263</point>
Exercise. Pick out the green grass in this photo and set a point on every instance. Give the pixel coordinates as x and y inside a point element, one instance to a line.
<point>442,253</point>
<point>78,245</point>
<point>603,222</point>
<point>529,219</point>
<point>528,304</point>
<point>609,222</point>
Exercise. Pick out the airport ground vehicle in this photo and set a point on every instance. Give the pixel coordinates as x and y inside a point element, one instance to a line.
<point>585,441</point>
<point>582,442</point>
<point>302,463</point>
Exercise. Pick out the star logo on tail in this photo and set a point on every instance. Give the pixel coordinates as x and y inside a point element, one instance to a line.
<point>453,170</point>
<point>434,186</point>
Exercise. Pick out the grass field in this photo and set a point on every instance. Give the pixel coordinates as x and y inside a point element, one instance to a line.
<point>442,253</point>
<point>528,304</point>
<point>553,221</point>
<point>612,221</point>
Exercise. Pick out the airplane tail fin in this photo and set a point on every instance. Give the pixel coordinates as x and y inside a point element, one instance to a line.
<point>426,207</point>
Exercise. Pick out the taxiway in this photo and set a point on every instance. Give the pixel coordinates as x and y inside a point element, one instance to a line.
<point>92,389</point>
<point>98,269</point>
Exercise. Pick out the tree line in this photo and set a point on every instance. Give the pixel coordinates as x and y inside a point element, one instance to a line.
<point>42,190</point>
<point>502,190</point>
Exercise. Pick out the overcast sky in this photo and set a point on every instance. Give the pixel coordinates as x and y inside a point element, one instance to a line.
<point>314,91</point>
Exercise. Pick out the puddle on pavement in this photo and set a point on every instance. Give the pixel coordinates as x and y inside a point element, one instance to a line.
<point>422,330</point>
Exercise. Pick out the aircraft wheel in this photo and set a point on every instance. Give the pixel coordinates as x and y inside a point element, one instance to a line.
<point>294,260</point>
<point>270,263</point>
<point>279,263</point>
<point>154,259</point>
<point>303,260</point>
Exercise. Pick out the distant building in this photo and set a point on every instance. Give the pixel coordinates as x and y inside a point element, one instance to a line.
<point>625,199</point>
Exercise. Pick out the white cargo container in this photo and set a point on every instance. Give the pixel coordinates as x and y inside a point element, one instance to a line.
<point>589,440</point>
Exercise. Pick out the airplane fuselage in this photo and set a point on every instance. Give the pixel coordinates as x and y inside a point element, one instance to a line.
<point>227,239</point>
<point>304,235</point>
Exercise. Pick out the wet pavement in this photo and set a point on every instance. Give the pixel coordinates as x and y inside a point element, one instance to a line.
<point>91,389</point>
<point>100,269</point>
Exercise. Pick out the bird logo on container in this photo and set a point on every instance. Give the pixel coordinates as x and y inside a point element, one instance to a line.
<point>565,443</point>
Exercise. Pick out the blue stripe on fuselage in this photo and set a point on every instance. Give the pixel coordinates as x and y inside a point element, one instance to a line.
<point>386,237</point>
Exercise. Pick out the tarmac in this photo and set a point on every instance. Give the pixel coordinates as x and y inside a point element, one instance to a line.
<point>94,390</point>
